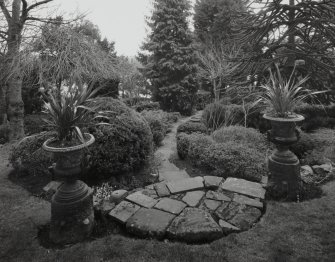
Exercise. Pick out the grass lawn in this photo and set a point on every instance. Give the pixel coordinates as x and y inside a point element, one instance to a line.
<point>287,232</point>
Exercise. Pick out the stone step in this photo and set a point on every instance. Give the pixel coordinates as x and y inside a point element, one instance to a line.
<point>244,187</point>
<point>187,184</point>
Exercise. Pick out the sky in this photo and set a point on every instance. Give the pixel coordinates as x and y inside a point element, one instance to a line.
<point>122,21</point>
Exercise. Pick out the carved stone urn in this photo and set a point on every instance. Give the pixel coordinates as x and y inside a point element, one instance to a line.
<point>283,164</point>
<point>72,216</point>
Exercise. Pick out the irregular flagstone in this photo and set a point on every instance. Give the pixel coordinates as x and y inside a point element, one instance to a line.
<point>217,196</point>
<point>193,225</point>
<point>149,223</point>
<point>228,228</point>
<point>247,201</point>
<point>141,200</point>
<point>187,184</point>
<point>162,189</point>
<point>212,204</point>
<point>123,211</point>
<point>244,187</point>
<point>212,181</point>
<point>149,192</point>
<point>193,198</point>
<point>228,210</point>
<point>246,219</point>
<point>170,205</point>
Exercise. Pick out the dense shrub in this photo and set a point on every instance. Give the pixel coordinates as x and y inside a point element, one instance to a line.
<point>183,142</point>
<point>319,140</point>
<point>123,145</point>
<point>239,134</point>
<point>146,105</point>
<point>158,122</point>
<point>216,115</point>
<point>28,155</point>
<point>233,159</point>
<point>316,116</point>
<point>190,127</point>
<point>198,145</point>
<point>203,98</point>
<point>132,101</point>
<point>33,124</point>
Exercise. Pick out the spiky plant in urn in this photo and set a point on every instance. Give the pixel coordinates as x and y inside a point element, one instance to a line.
<point>68,111</point>
<point>280,96</point>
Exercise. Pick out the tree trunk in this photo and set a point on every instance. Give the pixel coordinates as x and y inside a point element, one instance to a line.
<point>3,105</point>
<point>15,108</point>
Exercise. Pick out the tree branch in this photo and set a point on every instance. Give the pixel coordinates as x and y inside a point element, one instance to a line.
<point>5,11</point>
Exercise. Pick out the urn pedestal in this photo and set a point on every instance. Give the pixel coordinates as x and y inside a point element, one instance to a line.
<point>284,165</point>
<point>72,216</point>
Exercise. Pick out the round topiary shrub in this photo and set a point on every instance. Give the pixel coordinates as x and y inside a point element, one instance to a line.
<point>158,122</point>
<point>240,134</point>
<point>29,157</point>
<point>125,144</point>
<point>190,127</point>
<point>182,145</point>
<point>198,145</point>
<point>233,159</point>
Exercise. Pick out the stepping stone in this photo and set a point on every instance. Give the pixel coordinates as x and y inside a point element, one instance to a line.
<point>212,181</point>
<point>123,211</point>
<point>150,193</point>
<point>244,187</point>
<point>217,196</point>
<point>187,184</point>
<point>150,187</point>
<point>247,201</point>
<point>149,223</point>
<point>227,228</point>
<point>246,219</point>
<point>228,210</point>
<point>118,195</point>
<point>141,200</point>
<point>177,196</point>
<point>170,205</point>
<point>52,187</point>
<point>193,198</point>
<point>212,205</point>
<point>193,225</point>
<point>162,189</point>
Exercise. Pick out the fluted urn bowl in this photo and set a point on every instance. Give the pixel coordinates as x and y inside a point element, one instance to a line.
<point>72,215</point>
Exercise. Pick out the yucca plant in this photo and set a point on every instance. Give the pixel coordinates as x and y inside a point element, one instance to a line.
<point>71,110</point>
<point>281,96</point>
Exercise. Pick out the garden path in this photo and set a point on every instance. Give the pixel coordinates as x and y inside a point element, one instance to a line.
<point>168,171</point>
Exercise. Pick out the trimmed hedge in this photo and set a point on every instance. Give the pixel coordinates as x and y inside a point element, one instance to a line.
<point>190,127</point>
<point>229,158</point>
<point>240,134</point>
<point>29,157</point>
<point>235,160</point>
<point>124,145</point>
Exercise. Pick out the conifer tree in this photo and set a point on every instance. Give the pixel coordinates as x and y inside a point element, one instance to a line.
<point>169,63</point>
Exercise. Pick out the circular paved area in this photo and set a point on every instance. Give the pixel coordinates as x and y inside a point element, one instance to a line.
<point>198,209</point>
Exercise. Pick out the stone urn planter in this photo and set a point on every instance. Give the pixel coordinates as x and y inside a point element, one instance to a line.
<point>72,215</point>
<point>283,164</point>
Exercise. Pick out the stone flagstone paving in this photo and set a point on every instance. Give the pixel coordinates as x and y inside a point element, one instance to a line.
<point>192,210</point>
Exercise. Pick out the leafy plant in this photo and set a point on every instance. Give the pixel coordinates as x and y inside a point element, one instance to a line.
<point>281,96</point>
<point>70,110</point>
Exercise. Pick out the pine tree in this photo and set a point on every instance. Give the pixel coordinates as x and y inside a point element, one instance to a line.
<point>170,63</point>
<point>213,20</point>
